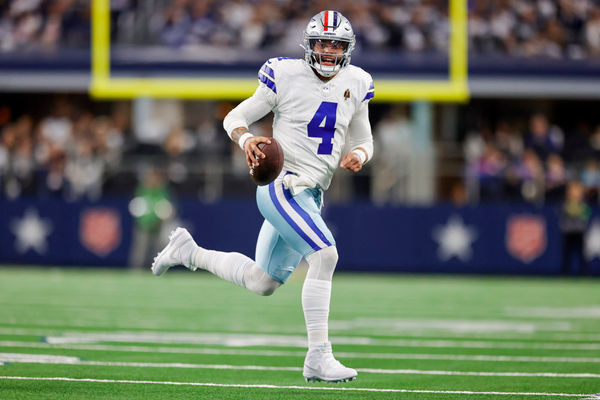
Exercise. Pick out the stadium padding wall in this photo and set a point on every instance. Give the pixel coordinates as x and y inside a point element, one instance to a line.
<point>498,239</point>
<point>144,63</point>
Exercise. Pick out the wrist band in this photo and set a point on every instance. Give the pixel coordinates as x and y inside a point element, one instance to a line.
<point>243,139</point>
<point>361,154</point>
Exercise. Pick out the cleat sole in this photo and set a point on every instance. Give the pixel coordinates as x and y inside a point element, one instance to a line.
<point>314,379</point>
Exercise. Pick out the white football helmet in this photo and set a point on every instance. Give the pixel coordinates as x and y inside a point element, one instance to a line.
<point>332,26</point>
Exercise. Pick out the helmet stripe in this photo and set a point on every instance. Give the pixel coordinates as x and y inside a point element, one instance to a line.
<point>335,18</point>
<point>326,21</point>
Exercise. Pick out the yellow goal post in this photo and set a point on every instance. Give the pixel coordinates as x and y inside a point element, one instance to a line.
<point>103,86</point>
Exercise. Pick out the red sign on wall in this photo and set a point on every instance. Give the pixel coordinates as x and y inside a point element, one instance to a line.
<point>526,237</point>
<point>100,230</point>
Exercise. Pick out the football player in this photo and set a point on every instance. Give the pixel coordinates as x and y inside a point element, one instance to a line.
<point>320,107</point>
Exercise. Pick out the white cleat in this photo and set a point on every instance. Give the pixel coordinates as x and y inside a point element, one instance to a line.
<point>172,255</point>
<point>321,365</point>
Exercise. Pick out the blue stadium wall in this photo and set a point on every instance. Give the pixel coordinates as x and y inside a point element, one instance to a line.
<point>483,239</point>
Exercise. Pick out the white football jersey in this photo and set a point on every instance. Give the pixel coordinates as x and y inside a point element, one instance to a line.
<point>314,121</point>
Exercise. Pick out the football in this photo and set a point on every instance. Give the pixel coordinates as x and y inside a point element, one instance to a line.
<point>270,166</point>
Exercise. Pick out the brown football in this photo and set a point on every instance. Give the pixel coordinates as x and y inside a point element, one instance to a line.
<point>270,166</point>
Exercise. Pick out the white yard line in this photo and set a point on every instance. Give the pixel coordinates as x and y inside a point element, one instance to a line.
<point>476,373</point>
<point>283,353</point>
<point>274,340</point>
<point>532,336</point>
<point>575,336</point>
<point>248,340</point>
<point>584,312</point>
<point>376,330</point>
<point>38,358</point>
<point>449,325</point>
<point>275,387</point>
<point>62,360</point>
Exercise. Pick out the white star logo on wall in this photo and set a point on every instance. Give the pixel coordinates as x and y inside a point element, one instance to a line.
<point>31,232</point>
<point>454,239</point>
<point>592,241</point>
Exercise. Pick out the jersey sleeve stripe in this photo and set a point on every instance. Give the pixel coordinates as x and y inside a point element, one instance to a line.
<point>261,73</point>
<point>269,71</point>
<point>270,84</point>
<point>369,95</point>
<point>372,86</point>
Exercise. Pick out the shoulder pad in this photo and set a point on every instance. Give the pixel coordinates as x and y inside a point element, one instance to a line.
<point>266,74</point>
<point>370,91</point>
<point>273,69</point>
<point>364,82</point>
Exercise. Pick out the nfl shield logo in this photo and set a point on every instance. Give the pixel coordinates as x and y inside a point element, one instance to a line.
<point>100,230</point>
<point>526,237</point>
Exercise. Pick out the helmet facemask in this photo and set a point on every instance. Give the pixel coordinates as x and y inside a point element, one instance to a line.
<point>328,64</point>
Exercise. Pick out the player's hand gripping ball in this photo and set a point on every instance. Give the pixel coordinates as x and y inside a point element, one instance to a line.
<point>270,166</point>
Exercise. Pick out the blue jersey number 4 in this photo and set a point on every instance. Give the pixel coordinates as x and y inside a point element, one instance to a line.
<point>322,125</point>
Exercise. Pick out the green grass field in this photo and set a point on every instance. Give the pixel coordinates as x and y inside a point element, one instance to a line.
<point>103,334</point>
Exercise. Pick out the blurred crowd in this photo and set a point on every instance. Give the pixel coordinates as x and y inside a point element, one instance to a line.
<point>74,152</point>
<point>530,28</point>
<point>525,28</point>
<point>534,163</point>
<point>34,25</point>
<point>63,154</point>
<point>520,28</point>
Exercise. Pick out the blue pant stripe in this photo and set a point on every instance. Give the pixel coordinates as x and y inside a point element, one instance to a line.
<point>305,216</point>
<point>289,219</point>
